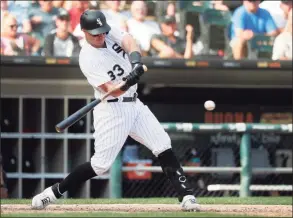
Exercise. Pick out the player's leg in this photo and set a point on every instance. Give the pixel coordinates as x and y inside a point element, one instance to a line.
<point>111,131</point>
<point>148,131</point>
<point>50,195</point>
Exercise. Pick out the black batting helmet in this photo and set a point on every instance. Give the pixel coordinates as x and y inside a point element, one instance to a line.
<point>94,22</point>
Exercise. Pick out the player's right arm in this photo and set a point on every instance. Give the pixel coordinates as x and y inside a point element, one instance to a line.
<point>106,87</point>
<point>95,70</point>
<point>101,82</point>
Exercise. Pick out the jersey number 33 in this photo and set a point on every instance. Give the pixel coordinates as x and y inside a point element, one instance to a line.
<point>117,71</point>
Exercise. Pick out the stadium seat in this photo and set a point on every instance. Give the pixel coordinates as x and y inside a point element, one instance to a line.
<point>191,14</point>
<point>223,157</point>
<point>214,34</point>
<point>260,46</point>
<point>260,158</point>
<point>194,6</point>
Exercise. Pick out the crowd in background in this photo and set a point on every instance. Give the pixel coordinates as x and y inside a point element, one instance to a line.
<point>51,28</point>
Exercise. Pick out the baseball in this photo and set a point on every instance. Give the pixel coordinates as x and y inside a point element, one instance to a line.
<point>209,105</point>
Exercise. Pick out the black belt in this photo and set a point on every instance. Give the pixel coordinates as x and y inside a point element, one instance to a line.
<point>124,99</point>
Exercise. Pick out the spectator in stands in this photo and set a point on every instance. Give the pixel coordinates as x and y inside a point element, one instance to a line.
<point>34,4</point>
<point>43,20</point>
<point>166,8</point>
<point>114,16</point>
<point>79,34</point>
<point>67,5</point>
<point>219,5</point>
<point>282,49</point>
<point>172,12</point>
<point>279,11</point>
<point>140,28</point>
<point>13,43</point>
<point>167,45</point>
<point>171,9</point>
<point>78,7</point>
<point>247,21</point>
<point>20,11</point>
<point>4,8</point>
<point>62,42</point>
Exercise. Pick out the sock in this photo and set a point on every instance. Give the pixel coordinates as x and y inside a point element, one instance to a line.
<point>79,175</point>
<point>172,169</point>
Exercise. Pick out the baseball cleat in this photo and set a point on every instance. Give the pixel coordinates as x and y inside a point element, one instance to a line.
<point>43,199</point>
<point>189,203</point>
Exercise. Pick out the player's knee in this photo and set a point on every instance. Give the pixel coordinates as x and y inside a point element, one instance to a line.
<point>156,152</point>
<point>99,168</point>
<point>164,145</point>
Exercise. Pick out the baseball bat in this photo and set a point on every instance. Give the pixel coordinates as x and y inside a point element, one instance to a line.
<point>73,118</point>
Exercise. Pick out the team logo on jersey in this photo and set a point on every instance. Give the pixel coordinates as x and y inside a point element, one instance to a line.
<point>99,22</point>
<point>118,49</point>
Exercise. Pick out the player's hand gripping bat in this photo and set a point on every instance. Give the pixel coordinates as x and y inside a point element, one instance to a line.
<point>73,118</point>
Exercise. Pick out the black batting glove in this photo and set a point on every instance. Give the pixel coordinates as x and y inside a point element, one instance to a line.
<point>135,60</point>
<point>138,69</point>
<point>131,79</point>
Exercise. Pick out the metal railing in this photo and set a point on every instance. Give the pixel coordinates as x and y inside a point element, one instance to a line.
<point>246,171</point>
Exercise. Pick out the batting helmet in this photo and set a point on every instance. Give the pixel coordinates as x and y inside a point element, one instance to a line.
<point>94,22</point>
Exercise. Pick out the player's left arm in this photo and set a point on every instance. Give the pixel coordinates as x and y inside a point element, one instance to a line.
<point>130,45</point>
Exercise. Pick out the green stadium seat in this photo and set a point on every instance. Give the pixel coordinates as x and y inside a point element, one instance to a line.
<point>260,46</point>
<point>216,17</point>
<point>194,6</point>
<point>191,12</point>
<point>214,31</point>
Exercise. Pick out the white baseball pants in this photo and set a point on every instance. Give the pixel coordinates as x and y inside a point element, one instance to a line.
<point>114,121</point>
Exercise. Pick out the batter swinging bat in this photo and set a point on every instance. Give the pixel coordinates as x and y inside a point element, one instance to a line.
<point>73,118</point>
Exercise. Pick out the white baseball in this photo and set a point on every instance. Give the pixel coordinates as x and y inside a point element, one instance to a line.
<point>209,105</point>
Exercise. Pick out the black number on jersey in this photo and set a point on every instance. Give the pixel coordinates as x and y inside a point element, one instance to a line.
<point>119,69</point>
<point>112,75</point>
<point>115,69</point>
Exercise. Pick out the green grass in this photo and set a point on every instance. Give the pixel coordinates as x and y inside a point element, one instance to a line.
<point>111,214</point>
<point>204,200</point>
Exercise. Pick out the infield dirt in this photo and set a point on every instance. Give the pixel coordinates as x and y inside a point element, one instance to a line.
<point>250,210</point>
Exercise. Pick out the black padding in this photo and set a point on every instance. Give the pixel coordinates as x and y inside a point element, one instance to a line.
<point>175,174</point>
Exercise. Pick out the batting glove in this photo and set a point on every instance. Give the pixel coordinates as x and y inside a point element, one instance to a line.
<point>131,79</point>
<point>138,69</point>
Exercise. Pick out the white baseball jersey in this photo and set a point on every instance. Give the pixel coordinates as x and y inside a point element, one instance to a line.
<point>105,64</point>
<point>114,121</point>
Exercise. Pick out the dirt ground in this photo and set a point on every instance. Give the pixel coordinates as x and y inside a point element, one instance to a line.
<point>253,210</point>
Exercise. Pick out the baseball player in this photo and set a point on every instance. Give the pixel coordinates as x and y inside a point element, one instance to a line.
<point>109,57</point>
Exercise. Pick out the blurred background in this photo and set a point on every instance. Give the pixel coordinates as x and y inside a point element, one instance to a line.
<point>236,53</point>
<point>218,29</point>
